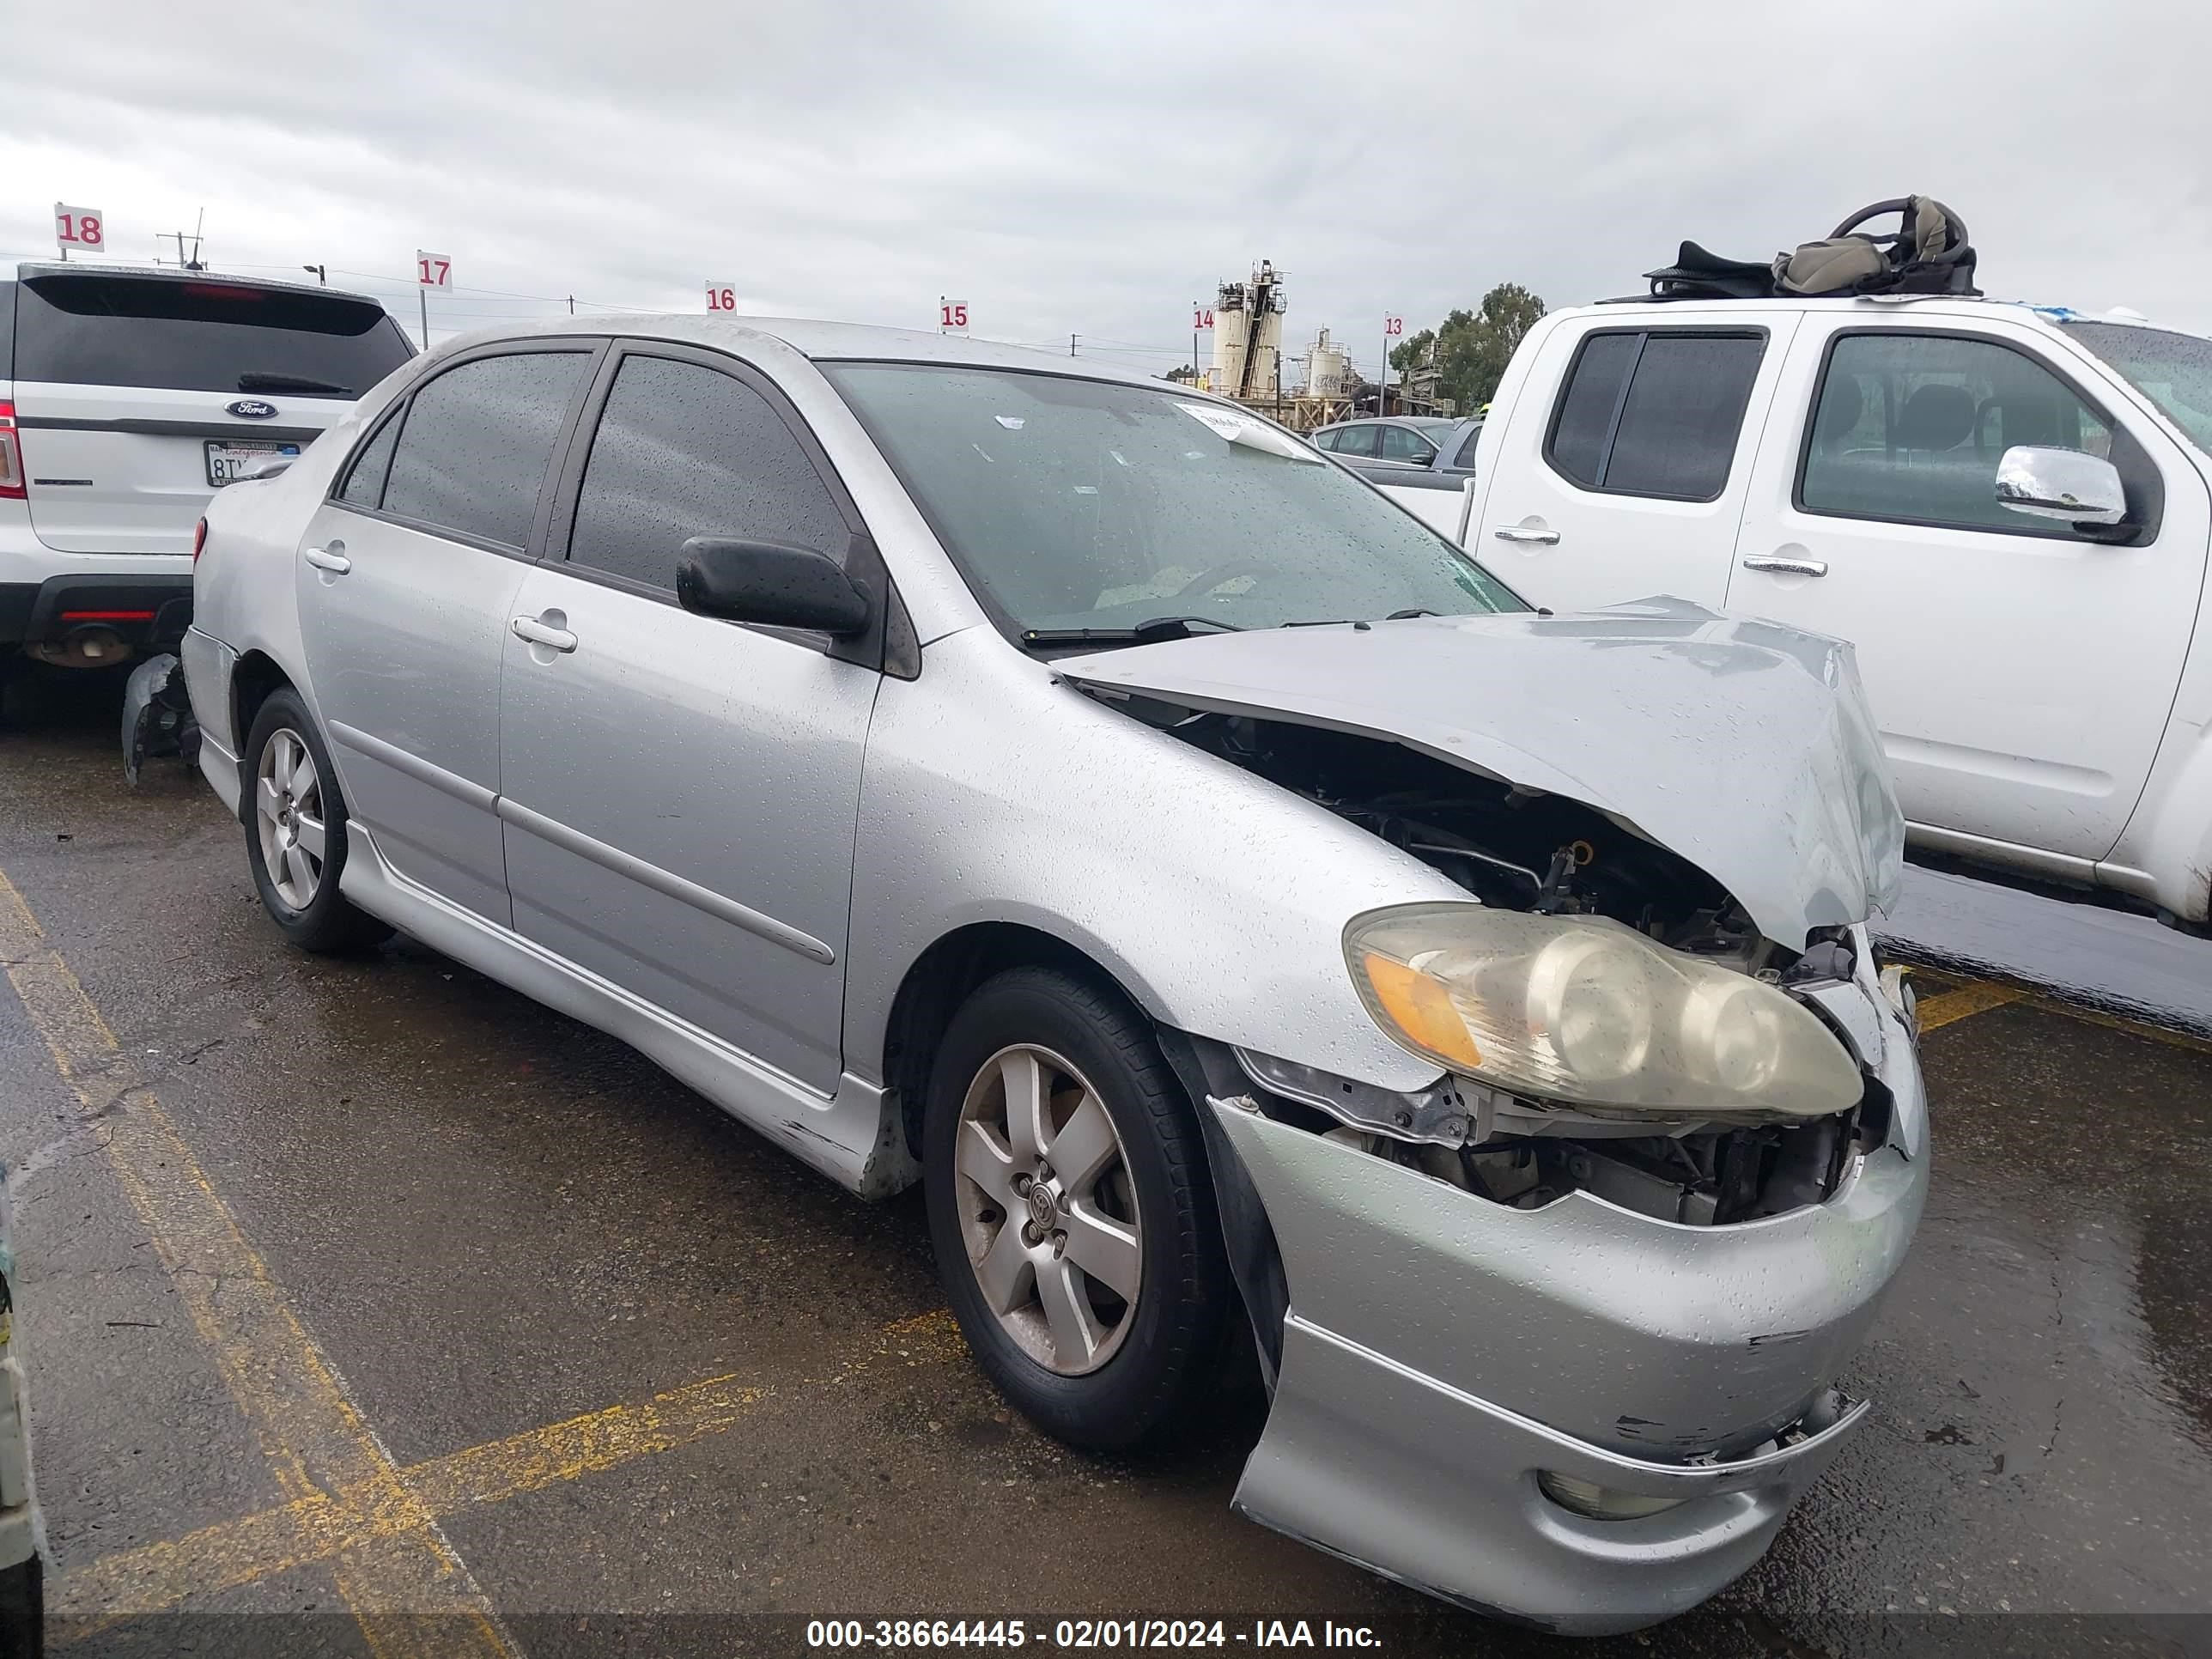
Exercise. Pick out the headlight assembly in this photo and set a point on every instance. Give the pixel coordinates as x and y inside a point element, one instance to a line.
<point>1585,1012</point>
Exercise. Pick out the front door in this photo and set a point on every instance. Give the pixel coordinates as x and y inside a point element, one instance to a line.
<point>2021,672</point>
<point>681,792</point>
<point>1631,481</point>
<point>406,580</point>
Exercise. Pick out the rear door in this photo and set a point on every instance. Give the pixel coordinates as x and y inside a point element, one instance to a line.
<point>2022,672</point>
<point>681,792</point>
<point>406,580</point>
<point>1628,480</point>
<point>138,395</point>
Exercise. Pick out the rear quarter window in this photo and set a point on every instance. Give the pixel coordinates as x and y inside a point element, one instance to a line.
<point>7,331</point>
<point>182,334</point>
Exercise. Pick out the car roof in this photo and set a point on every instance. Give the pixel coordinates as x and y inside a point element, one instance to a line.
<point>30,267</point>
<point>1428,422</point>
<point>825,343</point>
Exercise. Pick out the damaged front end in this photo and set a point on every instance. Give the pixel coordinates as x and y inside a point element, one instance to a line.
<point>1557,1335</point>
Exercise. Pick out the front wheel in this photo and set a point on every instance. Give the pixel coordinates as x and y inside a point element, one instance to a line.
<point>1071,1210</point>
<point>296,830</point>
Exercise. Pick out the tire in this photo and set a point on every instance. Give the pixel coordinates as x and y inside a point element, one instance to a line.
<point>301,893</point>
<point>22,1612</point>
<point>1085,1362</point>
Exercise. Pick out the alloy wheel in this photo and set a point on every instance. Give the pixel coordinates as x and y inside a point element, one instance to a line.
<point>288,815</point>
<point>1047,1209</point>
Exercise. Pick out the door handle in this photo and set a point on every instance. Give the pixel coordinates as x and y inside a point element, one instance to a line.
<point>539,633</point>
<point>1521,532</point>
<point>332,558</point>
<point>1787,567</point>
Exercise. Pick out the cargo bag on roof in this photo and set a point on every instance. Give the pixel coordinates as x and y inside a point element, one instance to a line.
<point>1929,252</point>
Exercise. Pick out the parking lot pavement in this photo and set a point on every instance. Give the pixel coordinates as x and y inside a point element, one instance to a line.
<point>370,1309</point>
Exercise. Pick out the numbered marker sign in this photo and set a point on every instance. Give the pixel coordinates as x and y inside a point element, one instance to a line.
<point>952,316</point>
<point>433,270</point>
<point>721,296</point>
<point>1394,326</point>
<point>1200,318</point>
<point>83,229</point>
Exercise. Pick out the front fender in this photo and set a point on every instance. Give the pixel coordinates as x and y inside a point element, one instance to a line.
<point>996,793</point>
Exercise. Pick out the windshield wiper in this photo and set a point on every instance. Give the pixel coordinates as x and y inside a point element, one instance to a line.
<point>1152,628</point>
<point>256,380</point>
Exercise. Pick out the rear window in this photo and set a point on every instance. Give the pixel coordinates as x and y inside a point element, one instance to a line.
<point>1655,414</point>
<point>202,336</point>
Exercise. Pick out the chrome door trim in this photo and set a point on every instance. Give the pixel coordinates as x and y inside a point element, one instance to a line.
<point>422,771</point>
<point>1787,567</point>
<point>664,882</point>
<point>1516,532</point>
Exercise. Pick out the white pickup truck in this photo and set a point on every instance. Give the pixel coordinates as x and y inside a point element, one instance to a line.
<point>2006,508</point>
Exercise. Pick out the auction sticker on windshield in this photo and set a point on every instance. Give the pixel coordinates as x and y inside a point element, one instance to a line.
<point>229,462</point>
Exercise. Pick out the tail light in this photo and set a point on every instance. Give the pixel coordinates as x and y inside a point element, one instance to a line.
<point>199,539</point>
<point>11,457</point>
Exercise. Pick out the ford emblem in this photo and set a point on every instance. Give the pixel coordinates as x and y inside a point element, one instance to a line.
<point>252,409</point>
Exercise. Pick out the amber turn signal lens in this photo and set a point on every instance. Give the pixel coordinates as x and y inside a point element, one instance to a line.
<point>1422,1009</point>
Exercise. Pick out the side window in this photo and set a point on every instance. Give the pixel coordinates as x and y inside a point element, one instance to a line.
<point>1654,413</point>
<point>1403,444</point>
<point>364,484</point>
<point>1465,459</point>
<point>1911,427</point>
<point>683,450</point>
<point>477,440</point>
<point>1327,440</point>
<point>1356,440</point>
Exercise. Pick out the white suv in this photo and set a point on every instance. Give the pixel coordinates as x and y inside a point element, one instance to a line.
<point>127,397</point>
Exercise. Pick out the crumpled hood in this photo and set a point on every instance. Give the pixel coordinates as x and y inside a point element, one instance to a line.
<point>1744,746</point>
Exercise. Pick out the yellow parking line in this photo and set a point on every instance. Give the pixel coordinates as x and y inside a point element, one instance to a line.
<point>411,1594</point>
<point>1966,1001</point>
<point>157,1577</point>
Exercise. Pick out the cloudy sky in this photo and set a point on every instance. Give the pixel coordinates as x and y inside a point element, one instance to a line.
<point>1093,169</point>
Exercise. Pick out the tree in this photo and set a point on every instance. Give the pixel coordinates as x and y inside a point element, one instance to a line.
<point>1473,347</point>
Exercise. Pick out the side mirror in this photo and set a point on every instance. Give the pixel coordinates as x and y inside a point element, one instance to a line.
<point>769,583</point>
<point>2061,483</point>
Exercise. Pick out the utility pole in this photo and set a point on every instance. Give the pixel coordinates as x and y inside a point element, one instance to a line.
<point>1071,345</point>
<point>192,263</point>
<point>322,276</point>
<point>572,304</point>
<point>423,294</point>
<point>1194,309</point>
<point>1382,383</point>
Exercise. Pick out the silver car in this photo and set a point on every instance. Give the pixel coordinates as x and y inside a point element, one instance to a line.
<point>1084,798</point>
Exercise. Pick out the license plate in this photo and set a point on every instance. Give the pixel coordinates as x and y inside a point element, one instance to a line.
<point>227,462</point>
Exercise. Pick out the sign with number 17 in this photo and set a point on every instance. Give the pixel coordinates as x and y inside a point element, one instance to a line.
<point>433,270</point>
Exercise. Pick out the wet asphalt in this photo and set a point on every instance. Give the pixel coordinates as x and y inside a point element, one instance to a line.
<point>491,1219</point>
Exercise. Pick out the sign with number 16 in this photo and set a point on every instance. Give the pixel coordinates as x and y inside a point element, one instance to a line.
<point>721,296</point>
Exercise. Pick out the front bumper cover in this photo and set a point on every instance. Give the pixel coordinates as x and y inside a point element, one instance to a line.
<point>1439,1350</point>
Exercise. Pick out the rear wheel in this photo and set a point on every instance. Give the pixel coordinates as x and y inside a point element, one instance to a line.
<point>1071,1209</point>
<point>296,830</point>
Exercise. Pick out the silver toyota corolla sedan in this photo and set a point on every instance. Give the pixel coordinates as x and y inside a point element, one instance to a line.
<point>1228,901</point>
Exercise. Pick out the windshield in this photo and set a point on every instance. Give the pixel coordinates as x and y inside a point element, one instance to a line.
<point>1075,504</point>
<point>2174,371</point>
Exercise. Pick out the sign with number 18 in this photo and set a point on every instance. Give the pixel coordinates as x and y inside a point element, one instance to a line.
<point>84,228</point>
